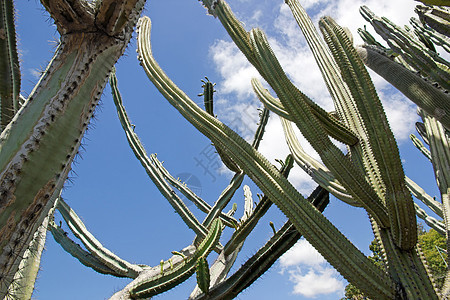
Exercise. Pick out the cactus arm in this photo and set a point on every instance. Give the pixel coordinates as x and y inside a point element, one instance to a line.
<point>430,221</point>
<point>415,53</point>
<point>436,37</point>
<point>398,200</point>
<point>419,145</point>
<point>316,228</point>
<point>203,276</point>
<point>420,194</point>
<point>190,195</point>
<point>153,172</point>
<point>435,17</point>
<point>318,172</point>
<point>79,253</point>
<point>264,258</point>
<point>208,94</point>
<point>440,152</point>
<point>223,199</point>
<point>105,256</point>
<point>9,65</point>
<point>433,100</point>
<point>180,273</point>
<point>268,100</point>
<point>112,15</point>
<point>332,126</point>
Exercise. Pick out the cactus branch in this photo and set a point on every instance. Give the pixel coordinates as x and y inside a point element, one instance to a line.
<point>106,257</point>
<point>9,65</point>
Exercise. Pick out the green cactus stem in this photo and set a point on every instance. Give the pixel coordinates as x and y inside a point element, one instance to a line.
<point>153,172</point>
<point>433,100</point>
<point>9,65</point>
<point>203,277</point>
<point>79,253</point>
<point>95,248</point>
<point>435,17</point>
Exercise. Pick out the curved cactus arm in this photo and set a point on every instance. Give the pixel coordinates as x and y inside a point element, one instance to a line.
<point>420,127</point>
<point>412,49</point>
<point>331,125</point>
<point>436,37</point>
<point>430,221</point>
<point>190,195</point>
<point>106,257</point>
<point>208,100</point>
<point>420,194</point>
<point>249,44</point>
<point>85,257</point>
<point>419,145</point>
<point>167,280</point>
<point>398,200</point>
<point>329,241</point>
<point>435,17</point>
<point>318,172</point>
<point>368,38</point>
<point>264,258</point>
<point>153,172</point>
<point>440,153</point>
<point>9,65</point>
<point>270,102</point>
<point>433,100</point>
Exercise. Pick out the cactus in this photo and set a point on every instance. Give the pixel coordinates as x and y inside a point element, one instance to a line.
<point>369,175</point>
<point>40,139</point>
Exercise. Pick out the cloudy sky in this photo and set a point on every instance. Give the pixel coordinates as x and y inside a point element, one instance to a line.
<point>110,190</point>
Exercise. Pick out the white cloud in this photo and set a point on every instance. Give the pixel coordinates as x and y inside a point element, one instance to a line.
<point>309,272</point>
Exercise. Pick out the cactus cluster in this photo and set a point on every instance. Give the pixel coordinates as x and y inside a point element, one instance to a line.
<point>41,136</point>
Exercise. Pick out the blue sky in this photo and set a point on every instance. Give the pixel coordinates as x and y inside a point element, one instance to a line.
<point>111,191</point>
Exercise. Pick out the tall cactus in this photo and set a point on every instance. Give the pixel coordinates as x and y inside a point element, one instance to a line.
<point>40,139</point>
